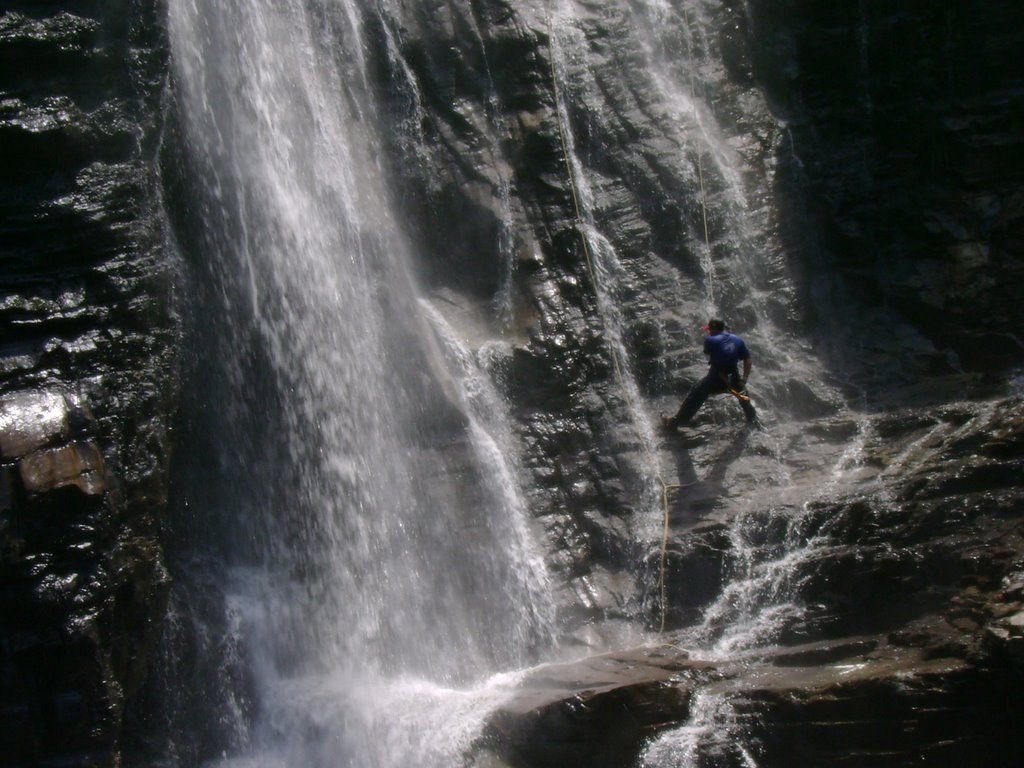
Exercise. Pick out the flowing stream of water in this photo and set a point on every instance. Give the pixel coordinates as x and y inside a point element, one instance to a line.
<point>569,53</point>
<point>390,573</point>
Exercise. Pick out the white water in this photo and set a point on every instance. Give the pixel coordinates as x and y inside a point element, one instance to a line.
<point>389,572</point>
<point>759,601</point>
<point>492,438</point>
<point>385,607</point>
<point>712,736</point>
<point>569,52</point>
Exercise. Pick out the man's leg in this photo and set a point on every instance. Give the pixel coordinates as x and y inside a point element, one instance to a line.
<point>694,400</point>
<point>748,407</point>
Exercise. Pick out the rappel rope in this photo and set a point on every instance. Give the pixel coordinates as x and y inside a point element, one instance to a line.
<point>665,487</point>
<point>580,224</point>
<point>696,120</point>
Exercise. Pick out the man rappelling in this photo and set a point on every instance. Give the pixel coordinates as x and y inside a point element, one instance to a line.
<point>725,352</point>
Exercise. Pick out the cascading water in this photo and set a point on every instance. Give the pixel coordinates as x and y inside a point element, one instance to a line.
<point>762,596</point>
<point>568,53</point>
<point>490,431</point>
<point>382,557</point>
<point>760,600</point>
<point>374,561</point>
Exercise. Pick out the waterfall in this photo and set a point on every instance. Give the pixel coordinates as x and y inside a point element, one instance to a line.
<point>490,431</point>
<point>569,71</point>
<point>377,565</point>
<point>383,590</point>
<point>749,280</point>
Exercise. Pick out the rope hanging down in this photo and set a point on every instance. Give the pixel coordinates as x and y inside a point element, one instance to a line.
<point>571,174</point>
<point>696,120</point>
<point>665,487</point>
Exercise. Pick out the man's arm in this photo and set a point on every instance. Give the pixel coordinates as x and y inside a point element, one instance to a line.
<point>747,365</point>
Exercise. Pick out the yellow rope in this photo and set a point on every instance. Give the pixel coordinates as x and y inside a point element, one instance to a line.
<point>665,487</point>
<point>664,550</point>
<point>693,101</point>
<point>572,179</point>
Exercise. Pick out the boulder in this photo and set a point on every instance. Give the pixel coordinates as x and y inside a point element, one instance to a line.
<point>597,711</point>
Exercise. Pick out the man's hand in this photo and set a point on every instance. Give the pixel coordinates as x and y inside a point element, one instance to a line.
<point>743,381</point>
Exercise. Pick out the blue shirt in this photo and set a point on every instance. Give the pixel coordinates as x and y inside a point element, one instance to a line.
<point>726,350</point>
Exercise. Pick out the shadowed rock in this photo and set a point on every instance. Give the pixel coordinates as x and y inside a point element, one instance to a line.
<point>86,375</point>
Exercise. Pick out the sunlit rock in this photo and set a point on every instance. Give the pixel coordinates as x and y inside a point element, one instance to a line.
<point>598,711</point>
<point>79,464</point>
<point>31,420</point>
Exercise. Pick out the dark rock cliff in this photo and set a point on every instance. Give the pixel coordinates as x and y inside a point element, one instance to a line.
<point>904,141</point>
<point>86,373</point>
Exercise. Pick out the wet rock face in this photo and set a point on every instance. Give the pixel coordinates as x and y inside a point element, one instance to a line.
<point>86,375</point>
<point>491,186</point>
<point>907,644</point>
<point>863,704</point>
<point>880,161</point>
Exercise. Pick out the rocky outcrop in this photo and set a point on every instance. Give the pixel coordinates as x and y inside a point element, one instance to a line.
<point>86,375</point>
<point>902,170</point>
<point>903,642</point>
<point>861,703</point>
<point>598,711</point>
